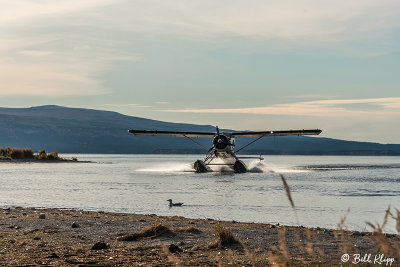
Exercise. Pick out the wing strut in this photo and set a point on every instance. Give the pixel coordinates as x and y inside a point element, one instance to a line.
<point>249,143</point>
<point>197,143</point>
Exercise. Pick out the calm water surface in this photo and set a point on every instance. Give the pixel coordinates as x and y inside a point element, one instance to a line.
<point>323,188</point>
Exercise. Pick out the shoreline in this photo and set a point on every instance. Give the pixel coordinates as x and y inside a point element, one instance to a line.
<point>43,161</point>
<point>50,236</point>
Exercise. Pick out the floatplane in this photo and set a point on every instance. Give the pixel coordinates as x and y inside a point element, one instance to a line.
<point>223,145</point>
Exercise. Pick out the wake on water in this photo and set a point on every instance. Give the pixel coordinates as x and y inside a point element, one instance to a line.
<point>169,167</point>
<point>254,166</point>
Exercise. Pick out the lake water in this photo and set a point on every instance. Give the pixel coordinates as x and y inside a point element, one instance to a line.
<point>323,188</point>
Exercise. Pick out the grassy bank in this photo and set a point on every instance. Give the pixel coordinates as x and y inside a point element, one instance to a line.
<point>27,154</point>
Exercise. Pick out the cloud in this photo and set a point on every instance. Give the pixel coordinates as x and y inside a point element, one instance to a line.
<point>128,105</point>
<point>64,47</point>
<point>311,96</point>
<point>47,80</point>
<point>288,20</point>
<point>35,53</point>
<point>121,105</point>
<point>318,108</point>
<point>144,106</point>
<point>23,11</point>
<point>45,51</point>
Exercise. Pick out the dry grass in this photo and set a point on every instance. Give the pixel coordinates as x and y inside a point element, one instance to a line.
<point>42,155</point>
<point>281,256</point>
<point>250,255</point>
<point>289,196</point>
<point>282,245</point>
<point>342,236</point>
<point>26,153</point>
<point>230,257</point>
<point>171,257</point>
<point>189,229</point>
<point>276,259</point>
<point>299,243</point>
<point>287,189</point>
<point>397,218</point>
<point>158,229</point>
<point>224,237</point>
<point>16,153</point>
<point>382,242</point>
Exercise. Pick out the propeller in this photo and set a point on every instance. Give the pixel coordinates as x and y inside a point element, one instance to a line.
<point>219,138</point>
<point>220,141</point>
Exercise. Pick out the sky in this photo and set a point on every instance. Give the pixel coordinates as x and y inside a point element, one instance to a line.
<point>243,65</point>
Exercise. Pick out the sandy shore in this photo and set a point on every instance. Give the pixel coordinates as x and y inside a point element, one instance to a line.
<point>56,237</point>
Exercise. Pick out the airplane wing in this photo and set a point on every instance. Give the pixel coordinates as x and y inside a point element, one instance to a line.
<point>172,133</point>
<point>276,133</point>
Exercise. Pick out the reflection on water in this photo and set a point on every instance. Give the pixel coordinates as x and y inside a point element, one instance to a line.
<point>323,187</point>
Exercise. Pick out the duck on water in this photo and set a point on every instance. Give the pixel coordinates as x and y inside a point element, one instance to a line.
<point>171,204</point>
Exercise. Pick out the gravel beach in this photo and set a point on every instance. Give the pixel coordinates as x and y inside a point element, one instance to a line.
<point>58,237</point>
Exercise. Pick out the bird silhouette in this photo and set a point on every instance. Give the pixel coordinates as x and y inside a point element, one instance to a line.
<point>174,204</point>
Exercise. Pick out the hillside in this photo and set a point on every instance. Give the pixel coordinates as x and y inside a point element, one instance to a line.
<point>77,130</point>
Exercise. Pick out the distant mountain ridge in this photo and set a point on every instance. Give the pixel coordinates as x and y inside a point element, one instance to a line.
<point>79,130</point>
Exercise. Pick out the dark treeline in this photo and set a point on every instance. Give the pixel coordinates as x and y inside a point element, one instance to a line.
<point>26,153</point>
